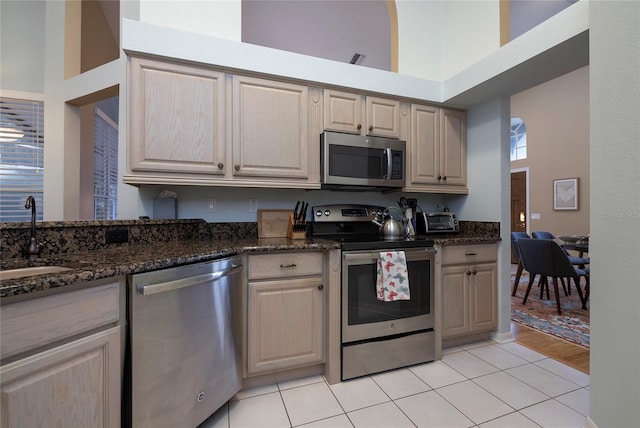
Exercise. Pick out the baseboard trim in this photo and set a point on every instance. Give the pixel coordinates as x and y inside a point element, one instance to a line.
<point>502,337</point>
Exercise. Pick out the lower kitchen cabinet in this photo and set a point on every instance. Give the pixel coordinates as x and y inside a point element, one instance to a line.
<point>62,363</point>
<point>469,290</point>
<point>285,311</point>
<point>73,385</point>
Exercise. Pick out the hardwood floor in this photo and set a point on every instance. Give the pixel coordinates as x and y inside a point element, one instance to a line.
<point>571,354</point>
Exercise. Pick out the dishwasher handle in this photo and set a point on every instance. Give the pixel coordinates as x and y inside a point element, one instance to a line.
<point>162,287</point>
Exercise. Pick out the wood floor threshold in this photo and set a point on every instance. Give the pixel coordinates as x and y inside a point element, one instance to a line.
<point>571,354</point>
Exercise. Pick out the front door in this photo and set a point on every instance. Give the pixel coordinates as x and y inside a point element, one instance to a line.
<point>518,202</point>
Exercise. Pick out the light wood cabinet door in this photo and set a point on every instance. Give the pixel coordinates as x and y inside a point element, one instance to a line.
<point>424,145</point>
<point>469,288</point>
<point>483,297</point>
<point>383,117</point>
<point>285,324</point>
<point>453,128</point>
<point>437,154</point>
<point>455,301</point>
<point>72,385</point>
<point>270,129</point>
<point>357,114</point>
<point>177,115</point>
<point>343,111</point>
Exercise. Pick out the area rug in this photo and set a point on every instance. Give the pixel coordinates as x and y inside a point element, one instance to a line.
<point>542,315</point>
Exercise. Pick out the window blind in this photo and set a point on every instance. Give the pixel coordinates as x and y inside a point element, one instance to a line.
<point>105,172</point>
<point>21,157</point>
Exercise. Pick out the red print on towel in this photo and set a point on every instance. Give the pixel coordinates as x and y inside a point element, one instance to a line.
<point>392,295</point>
<point>388,265</point>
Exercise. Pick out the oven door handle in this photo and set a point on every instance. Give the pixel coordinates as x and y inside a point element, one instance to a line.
<point>373,256</point>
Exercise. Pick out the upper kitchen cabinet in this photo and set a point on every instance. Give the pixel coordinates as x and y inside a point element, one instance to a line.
<point>437,150</point>
<point>358,114</point>
<point>177,118</point>
<point>270,129</point>
<point>195,125</point>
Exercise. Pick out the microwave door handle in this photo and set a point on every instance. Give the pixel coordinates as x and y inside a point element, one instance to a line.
<point>389,163</point>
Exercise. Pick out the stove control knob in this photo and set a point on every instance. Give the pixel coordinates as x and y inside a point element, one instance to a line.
<point>391,325</point>
<point>327,213</point>
<point>318,213</point>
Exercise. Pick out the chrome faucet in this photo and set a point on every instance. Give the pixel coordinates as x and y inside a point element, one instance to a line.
<point>33,249</point>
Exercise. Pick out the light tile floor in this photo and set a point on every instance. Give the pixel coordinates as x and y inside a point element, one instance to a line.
<point>484,384</point>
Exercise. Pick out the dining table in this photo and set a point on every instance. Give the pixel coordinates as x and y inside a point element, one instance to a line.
<point>576,243</point>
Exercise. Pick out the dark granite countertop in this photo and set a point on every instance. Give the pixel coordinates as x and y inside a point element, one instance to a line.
<point>446,240</point>
<point>129,259</point>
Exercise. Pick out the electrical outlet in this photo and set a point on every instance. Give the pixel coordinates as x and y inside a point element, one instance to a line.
<point>116,236</point>
<point>211,205</point>
<point>253,205</point>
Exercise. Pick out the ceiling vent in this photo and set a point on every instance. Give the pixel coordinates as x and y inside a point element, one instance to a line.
<point>357,59</point>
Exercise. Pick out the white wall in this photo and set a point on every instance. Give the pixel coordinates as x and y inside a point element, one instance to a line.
<point>470,32</point>
<point>22,45</point>
<point>420,21</point>
<point>220,18</point>
<point>615,212</point>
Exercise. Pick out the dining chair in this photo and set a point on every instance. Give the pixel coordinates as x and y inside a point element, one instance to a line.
<point>581,262</point>
<point>515,252</point>
<point>547,258</point>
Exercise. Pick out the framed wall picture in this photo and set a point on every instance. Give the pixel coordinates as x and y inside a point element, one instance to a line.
<point>565,194</point>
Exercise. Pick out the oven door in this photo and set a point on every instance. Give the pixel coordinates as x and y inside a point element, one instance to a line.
<point>365,317</point>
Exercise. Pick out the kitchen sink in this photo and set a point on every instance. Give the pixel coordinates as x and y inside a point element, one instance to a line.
<point>30,271</point>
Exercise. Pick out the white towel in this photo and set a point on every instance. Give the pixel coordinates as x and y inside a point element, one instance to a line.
<point>392,282</point>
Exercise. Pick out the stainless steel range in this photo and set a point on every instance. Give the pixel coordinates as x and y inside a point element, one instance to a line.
<point>379,335</point>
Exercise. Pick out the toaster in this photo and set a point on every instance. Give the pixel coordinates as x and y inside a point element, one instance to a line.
<point>436,222</point>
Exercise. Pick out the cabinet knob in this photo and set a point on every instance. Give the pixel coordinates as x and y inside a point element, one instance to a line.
<point>320,287</point>
<point>359,127</point>
<point>370,127</point>
<point>220,165</point>
<point>439,177</point>
<point>236,167</point>
<point>444,178</point>
<point>474,271</point>
<point>468,272</point>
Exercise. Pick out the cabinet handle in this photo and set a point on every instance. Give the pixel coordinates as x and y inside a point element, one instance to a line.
<point>292,265</point>
<point>470,254</point>
<point>236,167</point>
<point>370,127</point>
<point>320,287</point>
<point>220,165</point>
<point>468,272</point>
<point>359,127</point>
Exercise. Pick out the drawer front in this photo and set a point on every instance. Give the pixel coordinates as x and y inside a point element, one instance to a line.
<point>463,254</point>
<point>41,321</point>
<point>282,265</point>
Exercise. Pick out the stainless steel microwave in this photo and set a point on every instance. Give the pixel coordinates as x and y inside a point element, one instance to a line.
<point>354,162</point>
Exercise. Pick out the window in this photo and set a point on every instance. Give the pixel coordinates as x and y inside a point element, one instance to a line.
<point>21,157</point>
<point>105,172</point>
<point>518,139</point>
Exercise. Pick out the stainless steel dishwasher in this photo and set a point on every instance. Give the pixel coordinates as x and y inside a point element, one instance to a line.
<point>183,354</point>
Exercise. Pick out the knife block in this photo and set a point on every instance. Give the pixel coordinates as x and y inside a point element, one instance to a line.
<point>296,231</point>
